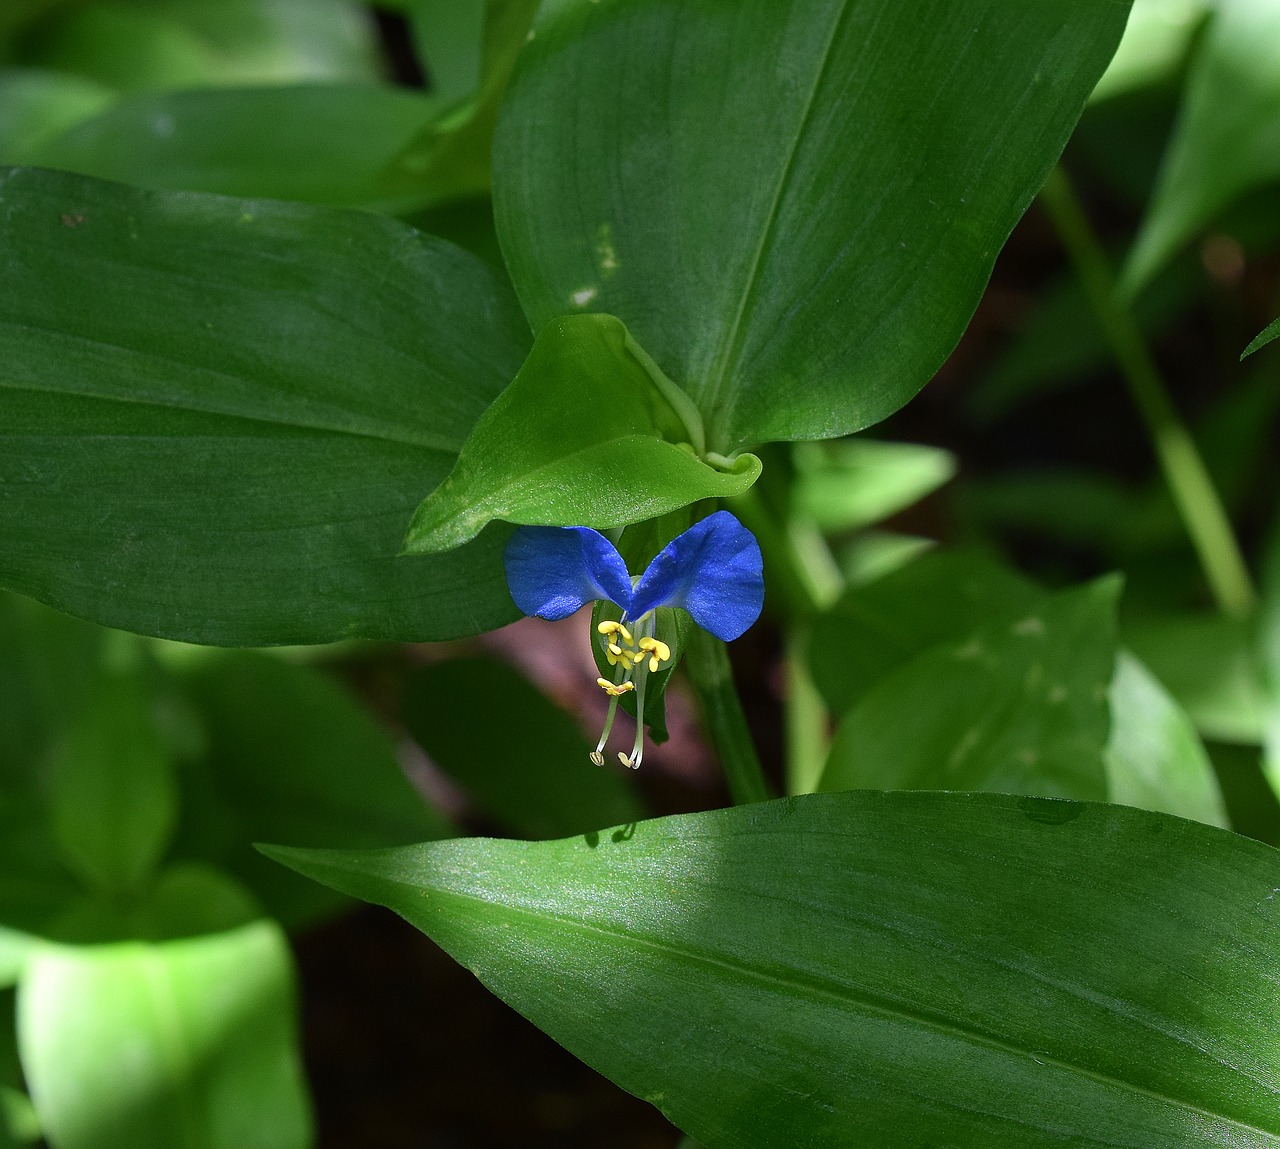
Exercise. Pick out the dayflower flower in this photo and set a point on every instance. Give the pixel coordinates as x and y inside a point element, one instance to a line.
<point>713,570</point>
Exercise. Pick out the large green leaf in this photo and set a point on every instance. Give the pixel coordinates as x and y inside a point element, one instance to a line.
<point>590,433</point>
<point>318,143</point>
<point>218,415</point>
<point>530,768</point>
<point>897,970</point>
<point>183,1045</point>
<point>1018,706</point>
<point>794,206</point>
<point>1227,141</point>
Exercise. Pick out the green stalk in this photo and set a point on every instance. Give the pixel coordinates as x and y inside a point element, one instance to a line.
<point>707,661</point>
<point>1184,471</point>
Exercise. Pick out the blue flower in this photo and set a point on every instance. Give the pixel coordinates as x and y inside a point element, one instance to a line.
<point>713,570</point>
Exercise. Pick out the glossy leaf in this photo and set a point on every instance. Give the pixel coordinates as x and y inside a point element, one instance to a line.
<point>115,798</point>
<point>1017,707</point>
<point>877,628</point>
<point>315,143</point>
<point>895,970</point>
<point>290,757</point>
<point>1227,141</point>
<point>1154,756</point>
<point>848,485</point>
<point>868,163</point>
<point>1208,664</point>
<point>219,414</point>
<point>184,1045</point>
<point>520,757</point>
<point>1267,335</point>
<point>588,434</point>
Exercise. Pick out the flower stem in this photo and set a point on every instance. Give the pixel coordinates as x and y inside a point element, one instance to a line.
<point>708,664</point>
<point>1184,471</point>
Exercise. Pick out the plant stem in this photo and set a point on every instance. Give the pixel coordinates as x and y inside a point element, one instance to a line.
<point>712,676</point>
<point>1184,471</point>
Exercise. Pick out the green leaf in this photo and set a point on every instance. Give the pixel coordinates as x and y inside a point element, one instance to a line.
<point>589,433</point>
<point>1018,707</point>
<point>290,757</point>
<point>848,485</point>
<point>36,106</point>
<point>315,143</point>
<point>219,414</point>
<point>794,207</point>
<point>13,955</point>
<point>874,629</point>
<point>1227,140</point>
<point>895,970</point>
<point>115,798</point>
<point>1208,664</point>
<point>450,160</point>
<point>1154,757</point>
<point>519,756</point>
<point>139,44</point>
<point>1154,47</point>
<point>450,37</point>
<point>1269,333</point>
<point>184,1045</point>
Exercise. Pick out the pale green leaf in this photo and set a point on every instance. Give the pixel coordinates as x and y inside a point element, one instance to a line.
<point>589,433</point>
<point>1154,756</point>
<point>186,1044</point>
<point>847,485</point>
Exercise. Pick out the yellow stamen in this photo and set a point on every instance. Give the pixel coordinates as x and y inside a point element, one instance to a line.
<point>615,628</point>
<point>658,650</point>
<point>614,690</point>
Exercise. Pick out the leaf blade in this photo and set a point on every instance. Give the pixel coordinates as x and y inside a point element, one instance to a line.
<point>810,980</point>
<point>807,315</point>
<point>219,414</point>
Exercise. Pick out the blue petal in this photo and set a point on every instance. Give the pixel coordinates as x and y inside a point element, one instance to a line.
<point>713,570</point>
<point>553,571</point>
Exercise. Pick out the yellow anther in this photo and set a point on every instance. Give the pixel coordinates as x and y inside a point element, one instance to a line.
<point>615,628</point>
<point>596,757</point>
<point>658,651</point>
<point>615,650</point>
<point>614,689</point>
